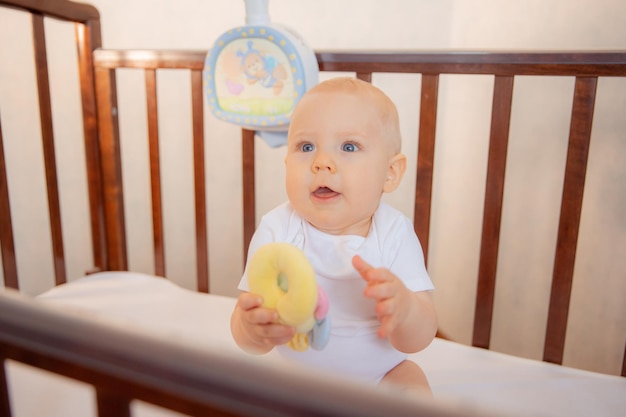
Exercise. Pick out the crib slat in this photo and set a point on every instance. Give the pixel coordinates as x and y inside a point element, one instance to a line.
<point>569,222</point>
<point>87,39</point>
<point>425,159</point>
<point>248,175</point>
<point>47,136</point>
<point>494,192</point>
<point>7,244</point>
<point>112,405</point>
<point>202,254</point>
<point>5,405</point>
<point>155,172</point>
<point>109,148</point>
<point>249,205</point>
<point>364,76</point>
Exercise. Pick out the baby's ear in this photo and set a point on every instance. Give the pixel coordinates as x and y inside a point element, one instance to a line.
<point>397,166</point>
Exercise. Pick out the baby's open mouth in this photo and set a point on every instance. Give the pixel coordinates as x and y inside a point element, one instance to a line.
<point>324,192</point>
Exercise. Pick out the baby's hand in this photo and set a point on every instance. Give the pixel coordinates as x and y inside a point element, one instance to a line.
<point>393,298</point>
<point>258,325</point>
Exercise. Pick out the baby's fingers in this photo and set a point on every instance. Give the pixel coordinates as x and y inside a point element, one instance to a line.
<point>275,334</point>
<point>248,301</point>
<point>361,266</point>
<point>253,312</point>
<point>370,274</point>
<point>377,290</point>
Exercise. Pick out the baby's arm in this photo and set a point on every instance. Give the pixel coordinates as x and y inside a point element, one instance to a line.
<point>407,318</point>
<point>256,329</point>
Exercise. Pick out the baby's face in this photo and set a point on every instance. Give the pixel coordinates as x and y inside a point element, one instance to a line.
<point>337,161</point>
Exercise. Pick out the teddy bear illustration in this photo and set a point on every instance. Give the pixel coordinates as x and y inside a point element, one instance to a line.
<point>262,68</point>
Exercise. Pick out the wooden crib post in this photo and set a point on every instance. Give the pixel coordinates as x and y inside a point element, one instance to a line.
<point>5,405</point>
<point>155,171</point>
<point>569,222</point>
<point>7,244</point>
<point>425,160</point>
<point>109,147</point>
<point>202,241</point>
<point>88,38</point>
<point>47,138</point>
<point>494,195</point>
<point>112,405</point>
<point>249,204</point>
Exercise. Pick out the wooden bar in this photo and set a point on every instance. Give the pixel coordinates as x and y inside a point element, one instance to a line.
<point>494,193</point>
<point>155,172</point>
<point>365,62</point>
<point>47,137</point>
<point>425,159</point>
<point>118,384</point>
<point>569,221</point>
<point>60,9</point>
<point>489,63</point>
<point>364,76</point>
<point>248,176</point>
<point>150,59</point>
<point>112,404</point>
<point>7,243</point>
<point>202,245</point>
<point>109,149</point>
<point>5,404</point>
<point>86,40</point>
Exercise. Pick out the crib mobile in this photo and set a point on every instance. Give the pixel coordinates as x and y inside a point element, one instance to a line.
<point>254,75</point>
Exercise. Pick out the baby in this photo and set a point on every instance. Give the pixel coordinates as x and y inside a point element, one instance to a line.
<point>343,153</point>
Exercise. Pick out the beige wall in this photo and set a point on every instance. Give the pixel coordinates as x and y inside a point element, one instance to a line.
<point>538,139</point>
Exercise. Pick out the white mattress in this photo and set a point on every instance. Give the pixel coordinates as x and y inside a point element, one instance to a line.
<point>456,373</point>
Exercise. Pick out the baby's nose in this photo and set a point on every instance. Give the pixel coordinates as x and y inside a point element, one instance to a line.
<point>323,162</point>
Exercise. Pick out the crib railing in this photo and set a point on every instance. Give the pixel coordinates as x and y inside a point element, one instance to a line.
<point>585,67</point>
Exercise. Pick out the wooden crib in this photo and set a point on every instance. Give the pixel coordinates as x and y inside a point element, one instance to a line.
<point>62,345</point>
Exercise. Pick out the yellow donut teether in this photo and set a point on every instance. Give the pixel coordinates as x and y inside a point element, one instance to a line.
<point>283,276</point>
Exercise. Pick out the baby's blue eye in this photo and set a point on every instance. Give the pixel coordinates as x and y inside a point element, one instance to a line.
<point>349,147</point>
<point>308,147</point>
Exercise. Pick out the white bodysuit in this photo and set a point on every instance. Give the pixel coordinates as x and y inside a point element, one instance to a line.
<point>354,348</point>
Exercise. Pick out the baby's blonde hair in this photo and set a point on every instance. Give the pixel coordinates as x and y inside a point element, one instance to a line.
<point>386,108</point>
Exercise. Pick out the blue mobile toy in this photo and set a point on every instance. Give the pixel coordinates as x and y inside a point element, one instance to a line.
<point>254,75</point>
